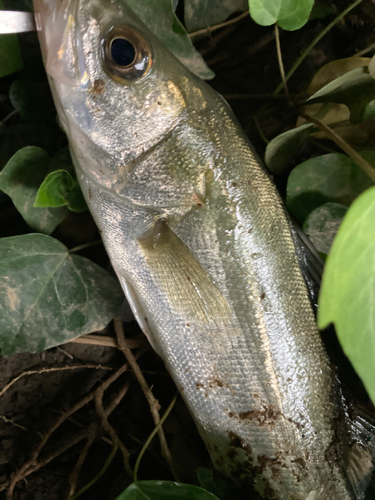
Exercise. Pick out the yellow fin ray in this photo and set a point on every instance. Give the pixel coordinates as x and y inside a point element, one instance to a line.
<point>188,286</point>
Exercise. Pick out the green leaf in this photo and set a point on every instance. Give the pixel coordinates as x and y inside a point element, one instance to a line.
<point>348,288</point>
<point>162,21</point>
<point>10,54</point>
<point>332,177</point>
<point>222,489</point>
<point>21,178</point>
<point>163,490</point>
<point>288,14</point>
<point>281,149</point>
<point>48,297</point>
<point>323,223</point>
<point>369,112</point>
<point>203,13</point>
<point>355,89</point>
<point>59,188</point>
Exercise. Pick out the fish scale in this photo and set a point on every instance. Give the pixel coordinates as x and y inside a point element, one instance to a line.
<point>204,250</point>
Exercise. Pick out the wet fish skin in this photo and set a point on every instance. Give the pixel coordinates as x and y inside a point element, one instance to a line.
<point>200,240</point>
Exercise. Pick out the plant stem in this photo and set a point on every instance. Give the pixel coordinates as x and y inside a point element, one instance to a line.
<point>314,42</point>
<point>152,435</point>
<point>354,155</point>
<point>280,60</point>
<point>210,29</point>
<point>86,245</point>
<point>99,475</point>
<point>260,131</point>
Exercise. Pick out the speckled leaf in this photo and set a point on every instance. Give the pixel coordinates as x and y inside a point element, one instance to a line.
<point>58,189</point>
<point>21,178</point>
<point>288,14</point>
<point>203,13</point>
<point>329,178</point>
<point>348,288</point>
<point>323,223</point>
<point>281,149</point>
<point>164,490</point>
<point>10,53</point>
<point>355,89</point>
<point>48,296</point>
<point>160,18</point>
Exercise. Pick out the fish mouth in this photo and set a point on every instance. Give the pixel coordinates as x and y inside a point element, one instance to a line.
<point>59,39</point>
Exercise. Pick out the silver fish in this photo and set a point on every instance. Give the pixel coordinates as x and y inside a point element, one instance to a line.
<point>204,250</point>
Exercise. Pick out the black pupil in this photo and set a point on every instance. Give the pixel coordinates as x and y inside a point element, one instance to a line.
<point>122,52</point>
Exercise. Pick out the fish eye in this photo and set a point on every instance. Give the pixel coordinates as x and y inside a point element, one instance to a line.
<point>127,54</point>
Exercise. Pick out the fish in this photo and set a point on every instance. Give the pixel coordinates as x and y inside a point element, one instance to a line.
<point>205,252</point>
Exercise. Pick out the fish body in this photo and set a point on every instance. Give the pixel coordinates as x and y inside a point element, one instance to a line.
<point>203,248</point>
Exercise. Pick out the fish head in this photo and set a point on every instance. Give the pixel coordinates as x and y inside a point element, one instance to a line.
<point>118,91</point>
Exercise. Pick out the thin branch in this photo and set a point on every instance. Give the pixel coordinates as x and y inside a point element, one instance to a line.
<point>354,155</point>
<point>207,31</point>
<point>47,370</point>
<point>314,42</point>
<point>151,436</point>
<point>111,431</point>
<point>153,403</point>
<point>106,341</point>
<point>280,60</point>
<point>12,422</point>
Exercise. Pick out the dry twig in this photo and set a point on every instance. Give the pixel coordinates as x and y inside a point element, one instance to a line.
<point>210,29</point>
<point>73,478</point>
<point>152,401</point>
<point>106,341</point>
<point>53,369</point>
<point>111,431</point>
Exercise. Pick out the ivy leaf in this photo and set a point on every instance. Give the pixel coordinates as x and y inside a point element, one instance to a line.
<point>281,149</point>
<point>288,14</point>
<point>21,178</point>
<point>58,189</point>
<point>164,490</point>
<point>222,489</point>
<point>163,22</point>
<point>48,297</point>
<point>355,89</point>
<point>329,178</point>
<point>323,223</point>
<point>202,13</point>
<point>348,288</point>
<point>10,53</point>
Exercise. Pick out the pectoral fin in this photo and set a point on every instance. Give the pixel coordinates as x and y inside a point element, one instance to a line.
<point>188,286</point>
